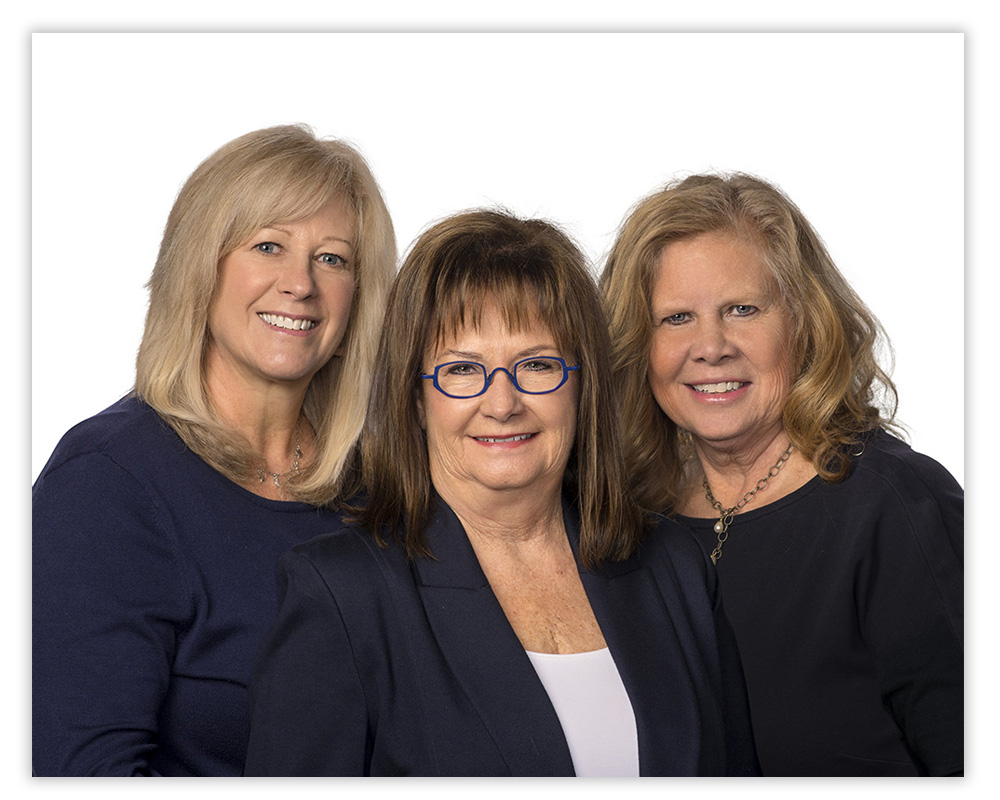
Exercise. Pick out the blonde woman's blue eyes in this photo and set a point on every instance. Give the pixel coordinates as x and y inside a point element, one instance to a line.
<point>327,259</point>
<point>739,310</point>
<point>333,260</point>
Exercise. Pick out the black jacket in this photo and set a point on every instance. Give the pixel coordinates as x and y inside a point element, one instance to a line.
<point>381,666</point>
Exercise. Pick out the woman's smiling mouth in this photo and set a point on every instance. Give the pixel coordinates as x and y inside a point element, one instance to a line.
<point>287,323</point>
<point>717,388</point>
<point>520,437</point>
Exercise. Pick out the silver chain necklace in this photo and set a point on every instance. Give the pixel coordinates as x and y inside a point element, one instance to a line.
<point>294,469</point>
<point>726,514</point>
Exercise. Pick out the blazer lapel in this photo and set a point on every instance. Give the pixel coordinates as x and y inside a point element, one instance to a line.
<point>486,656</point>
<point>649,653</point>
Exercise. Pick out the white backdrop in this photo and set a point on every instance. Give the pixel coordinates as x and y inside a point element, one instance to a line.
<point>863,131</point>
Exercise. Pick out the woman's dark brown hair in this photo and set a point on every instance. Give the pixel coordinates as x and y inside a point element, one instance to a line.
<point>529,270</point>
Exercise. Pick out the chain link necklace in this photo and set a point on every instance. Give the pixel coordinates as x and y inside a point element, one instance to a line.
<point>294,469</point>
<point>726,514</point>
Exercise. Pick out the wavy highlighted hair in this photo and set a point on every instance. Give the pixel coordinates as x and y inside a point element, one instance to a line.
<point>839,391</point>
<point>529,270</point>
<point>279,174</point>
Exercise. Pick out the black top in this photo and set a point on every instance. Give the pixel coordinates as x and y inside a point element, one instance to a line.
<point>153,583</point>
<point>846,600</point>
<point>382,666</point>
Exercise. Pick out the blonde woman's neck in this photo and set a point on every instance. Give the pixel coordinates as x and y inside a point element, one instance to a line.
<point>732,474</point>
<point>272,424</point>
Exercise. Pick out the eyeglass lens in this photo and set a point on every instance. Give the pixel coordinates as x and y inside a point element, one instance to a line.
<point>467,378</point>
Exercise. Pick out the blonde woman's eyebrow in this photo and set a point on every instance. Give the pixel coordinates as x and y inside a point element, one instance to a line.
<point>338,239</point>
<point>285,231</point>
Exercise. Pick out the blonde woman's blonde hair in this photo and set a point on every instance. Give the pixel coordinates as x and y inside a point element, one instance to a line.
<point>279,174</point>
<point>840,393</point>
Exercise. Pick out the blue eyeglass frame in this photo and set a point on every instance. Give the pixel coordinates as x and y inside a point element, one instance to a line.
<point>490,375</point>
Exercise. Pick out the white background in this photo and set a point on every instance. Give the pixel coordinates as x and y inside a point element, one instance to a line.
<point>747,110</point>
<point>863,131</point>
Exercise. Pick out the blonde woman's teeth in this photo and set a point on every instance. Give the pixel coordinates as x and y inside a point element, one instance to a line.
<point>287,322</point>
<point>716,388</point>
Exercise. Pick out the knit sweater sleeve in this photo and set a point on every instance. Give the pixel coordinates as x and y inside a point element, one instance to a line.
<point>910,603</point>
<point>103,544</point>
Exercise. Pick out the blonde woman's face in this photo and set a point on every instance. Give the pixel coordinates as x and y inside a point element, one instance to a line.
<point>719,363</point>
<point>283,302</point>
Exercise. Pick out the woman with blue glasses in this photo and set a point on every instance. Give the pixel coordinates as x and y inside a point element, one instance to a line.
<point>499,605</point>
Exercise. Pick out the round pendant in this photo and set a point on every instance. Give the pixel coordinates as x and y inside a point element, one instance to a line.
<point>719,527</point>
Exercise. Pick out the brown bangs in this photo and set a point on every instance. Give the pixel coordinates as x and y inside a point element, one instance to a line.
<point>520,306</point>
<point>518,280</point>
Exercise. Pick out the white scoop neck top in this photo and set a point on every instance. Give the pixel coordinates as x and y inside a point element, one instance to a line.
<point>595,713</point>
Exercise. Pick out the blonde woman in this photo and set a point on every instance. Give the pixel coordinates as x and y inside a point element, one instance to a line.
<point>158,523</point>
<point>756,414</point>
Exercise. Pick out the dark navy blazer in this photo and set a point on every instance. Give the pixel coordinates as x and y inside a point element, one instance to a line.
<point>378,665</point>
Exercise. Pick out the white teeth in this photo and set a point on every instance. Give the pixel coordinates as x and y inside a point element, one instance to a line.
<point>494,440</point>
<point>287,322</point>
<point>716,388</point>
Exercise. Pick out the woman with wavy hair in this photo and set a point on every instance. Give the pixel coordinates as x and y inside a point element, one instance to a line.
<point>158,523</point>
<point>756,413</point>
<point>500,605</point>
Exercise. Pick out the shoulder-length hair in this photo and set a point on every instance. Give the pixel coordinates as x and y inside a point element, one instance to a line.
<point>530,270</point>
<point>839,391</point>
<point>274,175</point>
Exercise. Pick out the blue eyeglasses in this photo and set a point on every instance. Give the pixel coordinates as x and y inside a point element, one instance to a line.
<point>465,379</point>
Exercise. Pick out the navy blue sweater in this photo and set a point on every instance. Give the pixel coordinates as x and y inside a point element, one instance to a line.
<point>847,603</point>
<point>153,584</point>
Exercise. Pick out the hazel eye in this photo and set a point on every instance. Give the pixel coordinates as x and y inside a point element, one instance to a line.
<point>537,365</point>
<point>463,368</point>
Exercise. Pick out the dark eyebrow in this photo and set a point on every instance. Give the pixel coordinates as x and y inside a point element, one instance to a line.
<point>468,355</point>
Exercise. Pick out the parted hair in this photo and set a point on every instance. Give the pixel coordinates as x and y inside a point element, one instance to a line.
<point>529,270</point>
<point>269,176</point>
<point>839,391</point>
